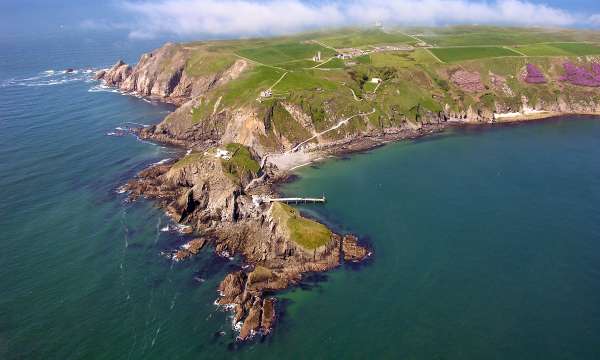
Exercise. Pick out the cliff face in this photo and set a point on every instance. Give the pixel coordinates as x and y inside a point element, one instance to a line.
<point>161,74</point>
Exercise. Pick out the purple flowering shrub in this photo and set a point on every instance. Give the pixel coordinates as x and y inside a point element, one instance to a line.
<point>577,75</point>
<point>534,75</point>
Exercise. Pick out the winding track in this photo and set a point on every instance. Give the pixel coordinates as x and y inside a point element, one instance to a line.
<point>343,122</point>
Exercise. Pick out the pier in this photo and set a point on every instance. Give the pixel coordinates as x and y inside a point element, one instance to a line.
<point>298,200</point>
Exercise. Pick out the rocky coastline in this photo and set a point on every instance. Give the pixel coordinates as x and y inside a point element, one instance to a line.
<point>220,211</point>
<point>219,199</point>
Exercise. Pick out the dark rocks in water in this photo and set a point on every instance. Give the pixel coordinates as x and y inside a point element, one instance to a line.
<point>100,75</point>
<point>352,250</point>
<point>69,70</point>
<point>268,315</point>
<point>188,249</point>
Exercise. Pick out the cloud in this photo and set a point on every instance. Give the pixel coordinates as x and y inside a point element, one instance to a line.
<point>269,17</point>
<point>594,20</point>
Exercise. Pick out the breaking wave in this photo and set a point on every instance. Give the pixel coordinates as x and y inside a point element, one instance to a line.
<point>52,77</point>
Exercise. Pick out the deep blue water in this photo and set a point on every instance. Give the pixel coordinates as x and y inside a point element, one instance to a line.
<point>486,240</point>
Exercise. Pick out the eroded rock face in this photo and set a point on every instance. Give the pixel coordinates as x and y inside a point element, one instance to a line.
<point>115,75</point>
<point>161,74</point>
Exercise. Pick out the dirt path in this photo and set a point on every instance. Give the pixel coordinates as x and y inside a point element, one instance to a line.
<point>433,55</point>
<point>278,80</point>
<point>322,63</point>
<point>259,63</point>
<point>354,95</point>
<point>334,127</point>
<point>514,50</point>
<point>325,45</point>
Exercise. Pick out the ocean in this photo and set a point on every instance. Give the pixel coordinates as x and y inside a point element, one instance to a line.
<point>486,240</point>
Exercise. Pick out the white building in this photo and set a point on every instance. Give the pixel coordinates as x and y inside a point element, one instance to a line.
<point>266,93</point>
<point>223,154</point>
<point>376,80</point>
<point>317,57</point>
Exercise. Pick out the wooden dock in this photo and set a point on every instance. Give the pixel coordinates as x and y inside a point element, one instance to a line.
<point>298,200</point>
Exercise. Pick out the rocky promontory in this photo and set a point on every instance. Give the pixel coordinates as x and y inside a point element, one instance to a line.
<point>245,124</point>
<point>207,192</point>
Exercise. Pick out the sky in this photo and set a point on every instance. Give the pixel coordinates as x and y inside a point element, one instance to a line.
<point>144,19</point>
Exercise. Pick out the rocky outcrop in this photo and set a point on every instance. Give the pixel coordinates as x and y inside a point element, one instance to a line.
<point>352,251</point>
<point>115,75</point>
<point>189,249</point>
<point>196,191</point>
<point>161,74</point>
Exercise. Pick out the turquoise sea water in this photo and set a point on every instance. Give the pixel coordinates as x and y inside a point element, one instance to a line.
<point>486,240</point>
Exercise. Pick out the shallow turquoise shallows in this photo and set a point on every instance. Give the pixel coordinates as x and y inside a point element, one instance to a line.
<point>486,240</point>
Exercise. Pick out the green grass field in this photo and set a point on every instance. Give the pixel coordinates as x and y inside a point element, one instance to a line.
<point>363,38</point>
<point>284,52</point>
<point>456,54</point>
<point>489,35</point>
<point>334,64</point>
<point>297,64</point>
<point>559,49</point>
<point>250,84</point>
<point>304,80</point>
<point>578,49</point>
<point>541,50</point>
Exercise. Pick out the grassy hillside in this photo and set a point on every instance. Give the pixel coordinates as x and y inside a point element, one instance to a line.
<point>393,76</point>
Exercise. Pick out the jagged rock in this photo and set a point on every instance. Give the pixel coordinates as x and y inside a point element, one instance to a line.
<point>100,75</point>
<point>189,249</point>
<point>252,322</point>
<point>268,315</point>
<point>351,250</point>
<point>232,285</point>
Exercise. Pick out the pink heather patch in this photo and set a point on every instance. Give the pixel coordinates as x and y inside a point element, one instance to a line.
<point>534,75</point>
<point>577,75</point>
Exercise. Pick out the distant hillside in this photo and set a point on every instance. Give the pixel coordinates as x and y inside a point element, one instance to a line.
<point>271,94</point>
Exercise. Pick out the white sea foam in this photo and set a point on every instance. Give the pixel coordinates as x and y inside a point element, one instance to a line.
<point>134,123</point>
<point>161,162</point>
<point>50,78</point>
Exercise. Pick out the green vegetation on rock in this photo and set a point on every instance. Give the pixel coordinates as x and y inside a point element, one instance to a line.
<point>203,63</point>
<point>242,164</point>
<point>189,159</point>
<point>307,233</point>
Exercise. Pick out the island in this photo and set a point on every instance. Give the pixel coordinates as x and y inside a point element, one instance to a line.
<point>251,111</point>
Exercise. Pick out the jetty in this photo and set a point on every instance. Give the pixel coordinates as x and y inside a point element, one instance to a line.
<point>261,199</point>
<point>298,200</point>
